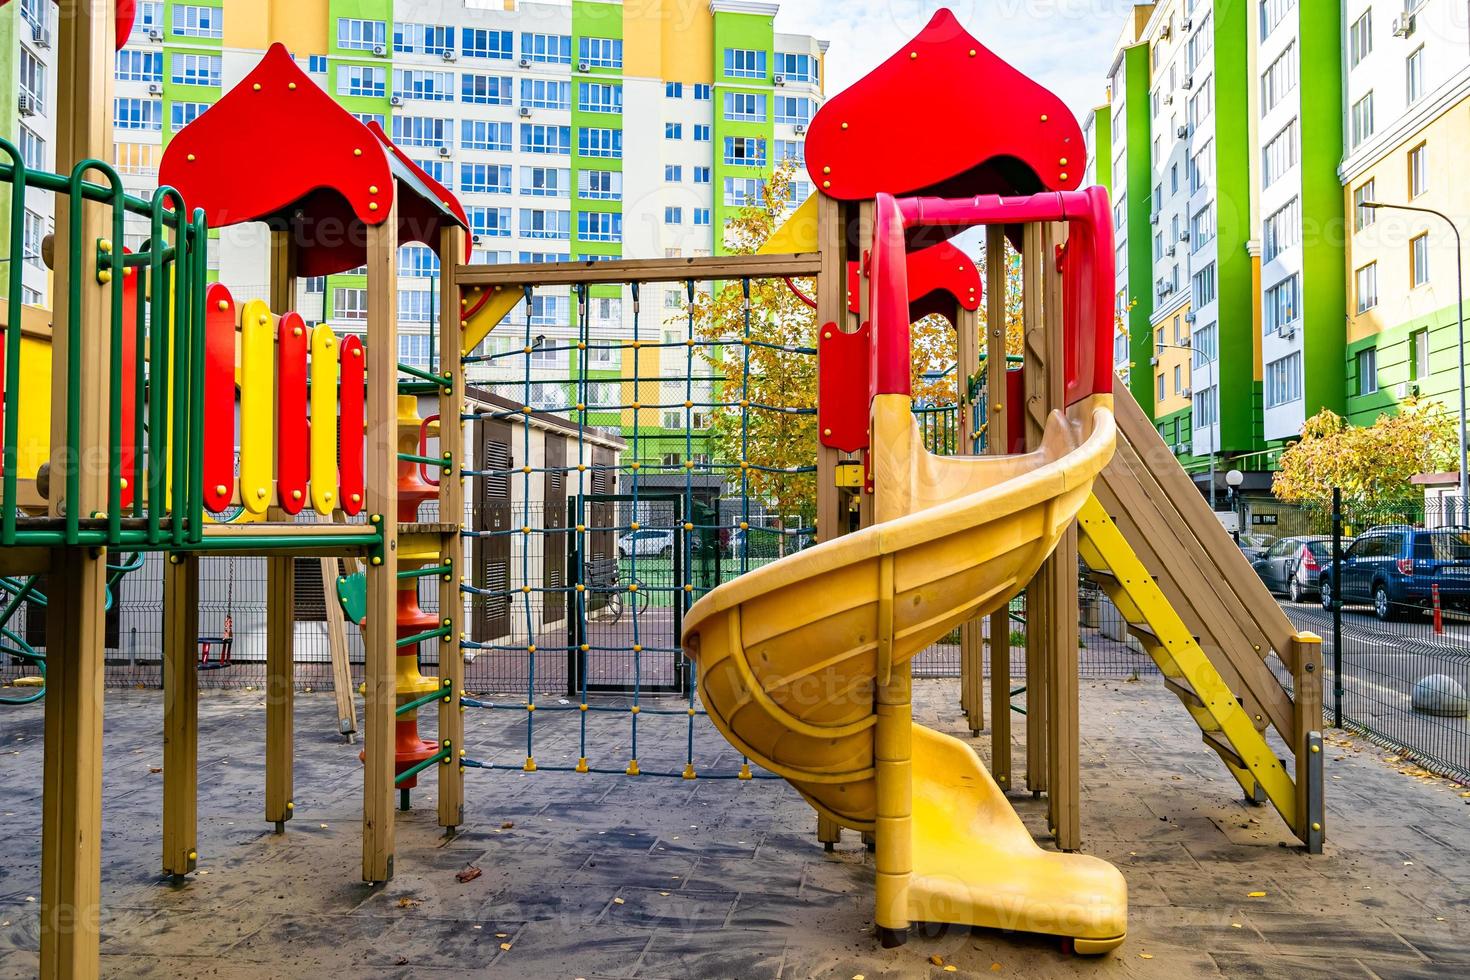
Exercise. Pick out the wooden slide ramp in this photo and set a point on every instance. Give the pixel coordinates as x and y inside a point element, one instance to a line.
<point>1196,606</point>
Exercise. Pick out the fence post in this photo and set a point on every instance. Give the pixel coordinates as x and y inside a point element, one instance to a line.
<point>1337,607</point>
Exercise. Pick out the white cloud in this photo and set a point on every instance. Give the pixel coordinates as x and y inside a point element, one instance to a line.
<point>1063,44</point>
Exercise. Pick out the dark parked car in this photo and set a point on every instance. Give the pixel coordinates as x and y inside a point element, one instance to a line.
<point>1293,566</point>
<point>1395,569</point>
<point>1254,546</point>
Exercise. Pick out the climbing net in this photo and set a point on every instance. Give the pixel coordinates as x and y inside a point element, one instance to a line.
<point>579,598</point>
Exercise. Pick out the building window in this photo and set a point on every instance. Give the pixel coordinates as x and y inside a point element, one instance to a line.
<point>317,64</point>
<point>743,191</point>
<point>1283,305</point>
<point>542,93</point>
<point>489,222</point>
<point>745,151</point>
<point>136,158</point>
<point>1200,43</point>
<point>361,80</point>
<point>536,138</point>
<point>673,131</point>
<point>702,134</point>
<point>33,232</point>
<point>361,35</point>
<point>703,93</point>
<point>1279,155</point>
<point>702,217</point>
<point>1360,38</point>
<point>794,110</point>
<point>1284,380</point>
<point>132,66</point>
<point>1419,354</point>
<point>182,114</point>
<point>34,12</point>
<point>673,216</point>
<point>476,134</point>
<point>413,348</point>
<point>1367,361</point>
<point>600,52</point>
<point>483,178</point>
<point>556,225</point>
<point>605,143</point>
<point>745,107</point>
<point>1272,13</point>
<point>673,173</point>
<point>349,304</point>
<point>600,185</point>
<point>1279,78</point>
<point>422,131</point>
<point>191,21</point>
<point>744,63</point>
<point>1203,345</point>
<point>485,89</point>
<point>1366,280</point>
<point>1362,122</point>
<point>597,97</point>
<point>1281,231</point>
<point>1418,171</point>
<point>1419,260</point>
<point>798,67</point>
<point>793,150</point>
<point>145,114</point>
<point>1202,227</point>
<point>1201,103</point>
<point>423,38</point>
<point>437,169</point>
<point>546,182</point>
<point>673,90</point>
<point>494,45</point>
<point>546,49</point>
<point>196,69</point>
<point>1160,386</point>
<point>1363,217</point>
<point>599,226</point>
<point>424,86</point>
<point>1414,76</point>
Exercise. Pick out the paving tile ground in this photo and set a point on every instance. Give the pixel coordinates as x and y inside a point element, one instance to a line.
<point>606,876</point>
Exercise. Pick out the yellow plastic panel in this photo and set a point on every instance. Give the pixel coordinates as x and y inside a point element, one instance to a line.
<point>487,317</point>
<point>324,372</point>
<point>797,234</point>
<point>33,424</point>
<point>257,406</point>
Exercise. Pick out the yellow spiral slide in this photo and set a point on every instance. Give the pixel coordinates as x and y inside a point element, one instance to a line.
<point>801,662</point>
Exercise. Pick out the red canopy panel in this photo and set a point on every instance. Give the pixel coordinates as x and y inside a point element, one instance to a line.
<point>944,116</point>
<point>940,277</point>
<point>278,149</point>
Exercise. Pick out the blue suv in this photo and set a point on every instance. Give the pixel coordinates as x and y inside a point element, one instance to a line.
<point>1395,568</point>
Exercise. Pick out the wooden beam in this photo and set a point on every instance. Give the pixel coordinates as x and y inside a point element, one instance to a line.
<point>380,633</point>
<point>280,591</point>
<point>701,269</point>
<point>451,512</point>
<point>972,634</point>
<point>831,306</point>
<point>337,645</point>
<point>995,442</point>
<point>71,806</point>
<point>180,714</point>
<point>1035,411</point>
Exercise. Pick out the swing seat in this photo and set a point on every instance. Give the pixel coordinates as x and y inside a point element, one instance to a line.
<point>206,648</point>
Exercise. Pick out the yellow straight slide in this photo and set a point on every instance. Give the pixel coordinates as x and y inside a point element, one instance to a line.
<point>793,658</point>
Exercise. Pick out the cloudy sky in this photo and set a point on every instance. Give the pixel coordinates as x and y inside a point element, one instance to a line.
<point>1064,44</point>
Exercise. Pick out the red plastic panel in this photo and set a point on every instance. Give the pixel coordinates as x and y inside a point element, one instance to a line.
<point>293,461</point>
<point>128,449</point>
<point>1015,417</point>
<point>416,214</point>
<point>944,110</point>
<point>941,277</point>
<point>219,398</point>
<point>843,362</point>
<point>351,436</point>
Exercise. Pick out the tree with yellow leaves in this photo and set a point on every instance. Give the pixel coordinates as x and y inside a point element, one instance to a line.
<point>1372,465</point>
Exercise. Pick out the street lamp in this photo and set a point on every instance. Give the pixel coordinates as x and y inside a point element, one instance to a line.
<point>1460,291</point>
<point>1234,479</point>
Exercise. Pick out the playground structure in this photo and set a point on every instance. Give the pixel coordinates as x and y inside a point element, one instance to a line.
<point>144,365</point>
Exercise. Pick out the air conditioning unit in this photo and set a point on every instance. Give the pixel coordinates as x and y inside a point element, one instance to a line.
<point>1188,24</point>
<point>1184,343</point>
<point>1186,448</point>
<point>154,88</point>
<point>1405,389</point>
<point>525,112</point>
<point>40,36</point>
<point>1186,392</point>
<point>1170,250</point>
<point>1153,361</point>
<point>1188,81</point>
<point>525,62</point>
<point>379,50</point>
<point>799,130</point>
<point>26,105</point>
<point>444,151</point>
<point>1153,219</point>
<point>449,56</point>
<point>1184,235</point>
<point>780,79</point>
<point>396,100</point>
<point>1182,132</point>
<point>1168,100</point>
<point>155,35</point>
<point>1190,317</point>
<point>1167,32</point>
<point>1404,25</point>
<point>583,66</point>
<point>1287,333</point>
<point>475,239</point>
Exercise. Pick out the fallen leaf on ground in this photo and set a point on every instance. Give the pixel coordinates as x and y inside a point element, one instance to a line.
<point>407,903</point>
<point>617,901</point>
<point>937,960</point>
<point>507,825</point>
<point>1256,895</point>
<point>468,874</point>
<point>505,945</point>
<point>1145,956</point>
<point>156,770</point>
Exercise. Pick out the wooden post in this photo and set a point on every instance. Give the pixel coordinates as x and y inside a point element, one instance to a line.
<point>337,644</point>
<point>1036,409</point>
<point>972,634</point>
<point>1060,572</point>
<point>280,597</point>
<point>180,714</point>
<point>995,443</point>
<point>381,633</point>
<point>451,514</point>
<point>1307,704</point>
<point>75,619</point>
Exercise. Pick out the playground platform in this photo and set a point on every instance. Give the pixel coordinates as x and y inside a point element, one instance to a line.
<point>596,876</point>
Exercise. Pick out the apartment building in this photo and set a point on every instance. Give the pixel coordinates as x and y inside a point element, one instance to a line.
<point>1225,138</point>
<point>580,129</point>
<point>1408,98</point>
<point>27,99</point>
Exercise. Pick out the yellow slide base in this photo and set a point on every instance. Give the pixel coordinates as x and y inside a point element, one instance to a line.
<point>976,864</point>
